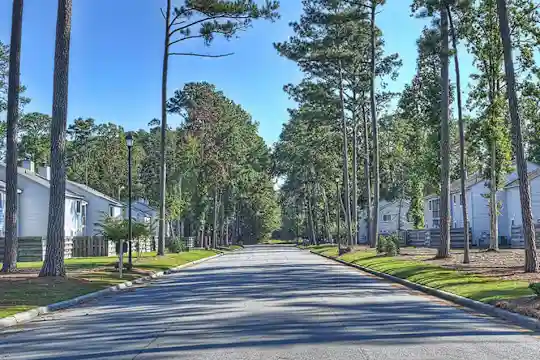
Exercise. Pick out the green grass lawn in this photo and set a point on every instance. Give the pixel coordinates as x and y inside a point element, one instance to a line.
<point>476,287</point>
<point>85,275</point>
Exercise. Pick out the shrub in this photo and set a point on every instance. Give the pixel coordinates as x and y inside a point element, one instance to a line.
<point>390,248</point>
<point>176,246</point>
<point>388,245</point>
<point>381,245</point>
<point>535,287</point>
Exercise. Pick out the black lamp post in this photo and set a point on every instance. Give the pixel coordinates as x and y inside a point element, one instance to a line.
<point>129,143</point>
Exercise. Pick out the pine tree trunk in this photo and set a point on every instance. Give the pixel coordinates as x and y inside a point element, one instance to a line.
<point>462,157</point>
<point>531,257</point>
<point>494,236</point>
<point>326,215</point>
<point>345,161</point>
<point>216,213</point>
<point>355,184</point>
<point>310,219</point>
<point>376,176</point>
<point>444,248</point>
<point>54,254</point>
<point>400,211</point>
<point>163,144</point>
<point>367,174</point>
<point>222,218</point>
<point>316,226</point>
<point>9,263</point>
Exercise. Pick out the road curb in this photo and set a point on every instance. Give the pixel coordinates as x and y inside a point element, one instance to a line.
<point>517,319</point>
<point>26,316</point>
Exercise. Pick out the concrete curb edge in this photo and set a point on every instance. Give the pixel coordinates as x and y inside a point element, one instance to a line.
<point>26,316</point>
<point>515,318</point>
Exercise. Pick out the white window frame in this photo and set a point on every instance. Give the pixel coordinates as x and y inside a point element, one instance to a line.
<point>387,217</point>
<point>435,210</point>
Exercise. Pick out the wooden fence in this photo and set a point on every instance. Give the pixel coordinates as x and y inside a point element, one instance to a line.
<point>30,249</point>
<point>418,238</point>
<point>88,246</point>
<point>457,238</point>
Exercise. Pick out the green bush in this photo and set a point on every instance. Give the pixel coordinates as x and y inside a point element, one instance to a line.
<point>388,245</point>
<point>391,249</point>
<point>176,246</point>
<point>381,245</point>
<point>535,287</point>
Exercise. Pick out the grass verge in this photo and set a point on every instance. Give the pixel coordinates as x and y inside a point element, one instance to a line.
<point>476,287</point>
<point>25,291</point>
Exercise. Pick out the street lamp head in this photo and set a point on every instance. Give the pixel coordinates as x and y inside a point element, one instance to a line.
<point>129,139</point>
<point>338,180</point>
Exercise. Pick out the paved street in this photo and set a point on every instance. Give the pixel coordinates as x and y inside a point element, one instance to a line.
<point>265,302</point>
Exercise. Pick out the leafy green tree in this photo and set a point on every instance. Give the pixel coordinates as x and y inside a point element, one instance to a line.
<point>80,149</point>
<point>480,29</point>
<point>332,46</point>
<point>200,20</point>
<point>224,167</point>
<point>35,138</point>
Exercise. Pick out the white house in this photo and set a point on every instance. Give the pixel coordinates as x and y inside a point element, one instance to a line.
<point>477,206</point>
<point>98,205</point>
<point>143,212</point>
<point>34,203</point>
<point>392,218</point>
<point>514,203</point>
<point>3,207</point>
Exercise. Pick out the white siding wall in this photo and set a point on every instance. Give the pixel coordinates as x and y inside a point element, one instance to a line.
<point>479,211</point>
<point>504,225</point>
<point>392,211</point>
<point>97,207</point>
<point>428,218</point>
<point>73,220</point>
<point>514,203</point>
<point>535,199</point>
<point>34,208</point>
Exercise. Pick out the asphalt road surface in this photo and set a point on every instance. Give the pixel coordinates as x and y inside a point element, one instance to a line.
<point>267,302</point>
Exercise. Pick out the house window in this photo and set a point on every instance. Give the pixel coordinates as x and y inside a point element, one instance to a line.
<point>436,223</point>
<point>78,207</point>
<point>454,199</point>
<point>387,217</point>
<point>429,205</point>
<point>435,204</point>
<point>111,210</point>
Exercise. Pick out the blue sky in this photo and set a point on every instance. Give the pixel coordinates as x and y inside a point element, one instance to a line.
<point>116,55</point>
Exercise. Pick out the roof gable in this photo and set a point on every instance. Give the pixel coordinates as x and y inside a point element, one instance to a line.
<point>40,180</point>
<point>94,192</point>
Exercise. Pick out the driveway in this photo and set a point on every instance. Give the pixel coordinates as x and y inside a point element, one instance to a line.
<point>268,302</point>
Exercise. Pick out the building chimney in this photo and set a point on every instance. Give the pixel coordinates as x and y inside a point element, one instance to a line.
<point>45,171</point>
<point>28,165</point>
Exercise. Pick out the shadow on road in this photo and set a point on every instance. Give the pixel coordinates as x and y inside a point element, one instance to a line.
<point>263,296</point>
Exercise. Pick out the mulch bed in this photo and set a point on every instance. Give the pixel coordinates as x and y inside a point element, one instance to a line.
<point>506,264</point>
<point>529,306</point>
